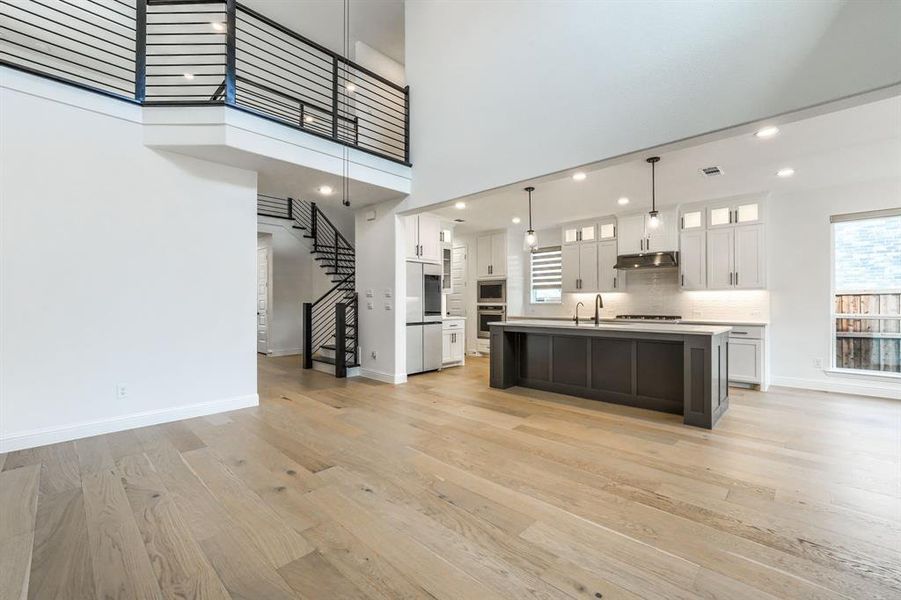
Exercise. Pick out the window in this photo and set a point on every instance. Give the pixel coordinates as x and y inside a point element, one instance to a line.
<point>866,319</point>
<point>547,276</point>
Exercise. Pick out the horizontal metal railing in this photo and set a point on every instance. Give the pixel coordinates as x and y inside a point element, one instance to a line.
<point>200,52</point>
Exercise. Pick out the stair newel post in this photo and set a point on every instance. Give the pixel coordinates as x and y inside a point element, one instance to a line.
<point>340,340</point>
<point>307,335</point>
<point>313,212</point>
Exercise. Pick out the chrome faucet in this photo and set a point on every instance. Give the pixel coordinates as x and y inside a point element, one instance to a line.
<point>576,318</point>
<point>598,305</point>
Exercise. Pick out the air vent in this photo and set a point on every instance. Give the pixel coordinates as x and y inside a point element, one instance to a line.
<point>459,220</point>
<point>712,171</point>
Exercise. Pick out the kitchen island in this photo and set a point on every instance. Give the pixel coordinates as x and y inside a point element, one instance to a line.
<point>670,367</point>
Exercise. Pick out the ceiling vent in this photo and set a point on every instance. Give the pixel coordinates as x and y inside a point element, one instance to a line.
<point>711,171</point>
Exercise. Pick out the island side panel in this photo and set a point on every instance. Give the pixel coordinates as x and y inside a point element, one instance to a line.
<point>706,382</point>
<point>502,360</point>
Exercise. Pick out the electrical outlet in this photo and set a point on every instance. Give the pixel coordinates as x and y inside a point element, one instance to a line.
<point>121,391</point>
<point>369,305</point>
<point>818,363</point>
<point>374,355</point>
<point>387,306</point>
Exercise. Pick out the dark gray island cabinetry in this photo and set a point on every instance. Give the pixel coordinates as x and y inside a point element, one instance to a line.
<point>670,367</point>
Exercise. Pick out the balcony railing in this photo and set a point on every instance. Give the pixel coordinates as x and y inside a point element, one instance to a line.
<point>207,52</point>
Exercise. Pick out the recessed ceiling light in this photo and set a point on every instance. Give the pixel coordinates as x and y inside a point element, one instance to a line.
<point>308,119</point>
<point>516,220</point>
<point>768,131</point>
<point>351,88</point>
<point>189,76</point>
<point>218,26</point>
<point>460,205</point>
<point>325,190</point>
<point>786,172</point>
<point>580,176</point>
<point>622,201</point>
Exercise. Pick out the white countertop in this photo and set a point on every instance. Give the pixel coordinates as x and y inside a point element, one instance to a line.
<point>630,326</point>
<point>726,322</point>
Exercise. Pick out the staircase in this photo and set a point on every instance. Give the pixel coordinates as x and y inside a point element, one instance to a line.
<point>331,338</point>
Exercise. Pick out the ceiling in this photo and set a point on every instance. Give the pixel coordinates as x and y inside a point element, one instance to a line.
<point>843,147</point>
<point>377,23</point>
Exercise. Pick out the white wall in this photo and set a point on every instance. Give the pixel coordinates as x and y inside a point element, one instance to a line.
<point>799,253</point>
<point>500,95</point>
<point>120,265</point>
<point>380,269</point>
<point>296,278</point>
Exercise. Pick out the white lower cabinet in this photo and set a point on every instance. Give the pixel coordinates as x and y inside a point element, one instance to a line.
<point>453,342</point>
<point>746,355</point>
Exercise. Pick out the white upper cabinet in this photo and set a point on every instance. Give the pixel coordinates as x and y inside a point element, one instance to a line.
<point>491,255</point>
<point>609,279</point>
<point>736,258</point>
<point>607,229</point>
<point>580,267</point>
<point>577,233</point>
<point>630,238</point>
<point>693,260</point>
<point>750,257</point>
<point>635,234</point>
<point>692,219</point>
<point>423,238</point>
<point>664,237</point>
<point>736,211</point>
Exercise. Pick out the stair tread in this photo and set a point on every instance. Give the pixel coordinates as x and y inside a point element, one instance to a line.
<point>330,361</point>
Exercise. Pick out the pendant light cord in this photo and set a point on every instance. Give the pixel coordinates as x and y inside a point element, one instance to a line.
<point>345,167</point>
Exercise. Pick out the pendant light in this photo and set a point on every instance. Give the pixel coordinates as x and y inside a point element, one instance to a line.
<point>350,87</point>
<point>531,240</point>
<point>654,221</point>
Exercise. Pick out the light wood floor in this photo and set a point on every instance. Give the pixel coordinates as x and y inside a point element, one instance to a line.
<point>444,488</point>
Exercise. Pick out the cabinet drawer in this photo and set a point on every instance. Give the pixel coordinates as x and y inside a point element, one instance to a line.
<point>451,325</point>
<point>746,331</point>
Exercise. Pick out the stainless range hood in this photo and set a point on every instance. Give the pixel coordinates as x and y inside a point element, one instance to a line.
<point>647,260</point>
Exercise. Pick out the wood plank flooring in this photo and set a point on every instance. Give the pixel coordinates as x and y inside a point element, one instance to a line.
<point>444,488</point>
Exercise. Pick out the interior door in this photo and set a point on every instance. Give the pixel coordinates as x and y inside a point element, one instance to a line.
<point>608,277</point>
<point>430,238</point>
<point>263,300</point>
<point>693,260</point>
<point>720,258</point>
<point>749,257</point>
<point>570,268</point>
<point>630,235</point>
<point>411,236</point>
<point>455,304</point>
<point>588,267</point>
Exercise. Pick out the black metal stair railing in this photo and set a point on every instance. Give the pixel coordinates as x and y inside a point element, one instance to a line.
<point>331,333</point>
<point>207,52</point>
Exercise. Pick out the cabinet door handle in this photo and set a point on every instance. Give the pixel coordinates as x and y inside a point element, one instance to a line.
<point>736,278</point>
<point>738,333</point>
<point>647,245</point>
<point>641,241</point>
<point>614,282</point>
<point>730,277</point>
<point>683,280</point>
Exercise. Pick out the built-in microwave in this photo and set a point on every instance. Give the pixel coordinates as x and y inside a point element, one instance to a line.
<point>492,290</point>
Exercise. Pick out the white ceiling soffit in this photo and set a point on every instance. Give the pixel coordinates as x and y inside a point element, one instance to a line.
<point>862,143</point>
<point>377,23</point>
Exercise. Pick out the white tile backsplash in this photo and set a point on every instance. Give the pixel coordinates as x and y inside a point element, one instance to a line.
<point>658,292</point>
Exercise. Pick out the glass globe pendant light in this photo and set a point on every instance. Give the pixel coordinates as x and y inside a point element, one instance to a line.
<point>530,242</point>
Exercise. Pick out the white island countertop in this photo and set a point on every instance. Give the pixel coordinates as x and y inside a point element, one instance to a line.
<point>632,326</point>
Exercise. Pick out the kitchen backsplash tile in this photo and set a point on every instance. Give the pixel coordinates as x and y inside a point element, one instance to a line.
<point>658,292</point>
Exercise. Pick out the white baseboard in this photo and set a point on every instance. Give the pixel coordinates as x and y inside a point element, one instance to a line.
<point>53,435</point>
<point>839,387</point>
<point>384,377</point>
<point>285,352</point>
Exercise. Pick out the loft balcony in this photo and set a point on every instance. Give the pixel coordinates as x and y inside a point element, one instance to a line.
<point>220,81</point>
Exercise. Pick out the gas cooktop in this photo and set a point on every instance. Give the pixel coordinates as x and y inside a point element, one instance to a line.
<point>649,317</point>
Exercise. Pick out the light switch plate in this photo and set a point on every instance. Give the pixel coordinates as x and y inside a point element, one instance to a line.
<point>387,292</point>
<point>370,293</point>
<point>387,306</point>
<point>370,305</point>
